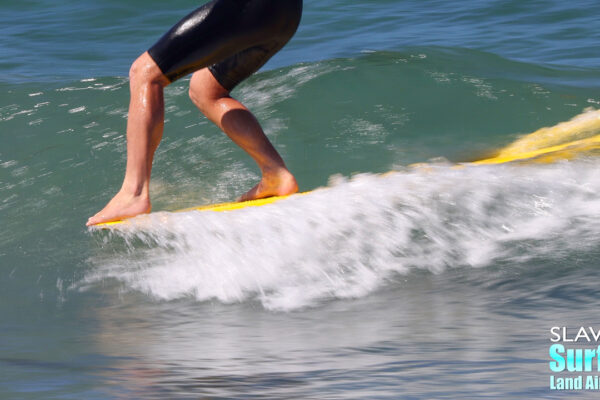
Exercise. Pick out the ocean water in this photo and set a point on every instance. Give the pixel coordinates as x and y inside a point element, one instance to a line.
<point>441,280</point>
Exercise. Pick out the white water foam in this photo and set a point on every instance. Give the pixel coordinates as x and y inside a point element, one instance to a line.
<point>351,238</point>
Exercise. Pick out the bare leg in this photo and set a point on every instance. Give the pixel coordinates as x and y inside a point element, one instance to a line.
<point>144,131</point>
<point>242,127</point>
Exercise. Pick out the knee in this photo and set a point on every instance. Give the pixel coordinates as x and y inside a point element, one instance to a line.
<point>138,70</point>
<point>144,70</point>
<point>195,96</point>
<point>205,92</point>
<point>200,97</point>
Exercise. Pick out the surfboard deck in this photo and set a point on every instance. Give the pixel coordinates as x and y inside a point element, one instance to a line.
<point>560,142</point>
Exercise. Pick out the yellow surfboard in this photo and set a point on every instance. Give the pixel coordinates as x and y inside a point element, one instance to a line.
<point>564,141</point>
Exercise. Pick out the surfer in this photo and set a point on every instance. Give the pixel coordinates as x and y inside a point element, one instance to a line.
<point>222,43</point>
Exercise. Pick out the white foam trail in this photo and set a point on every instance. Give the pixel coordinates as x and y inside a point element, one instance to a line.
<point>349,239</point>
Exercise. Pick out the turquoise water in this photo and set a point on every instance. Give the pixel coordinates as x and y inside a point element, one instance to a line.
<point>429,283</point>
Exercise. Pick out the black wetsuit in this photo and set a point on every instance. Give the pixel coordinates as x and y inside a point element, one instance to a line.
<point>234,38</point>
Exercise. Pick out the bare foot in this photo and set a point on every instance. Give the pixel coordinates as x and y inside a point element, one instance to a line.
<point>280,183</point>
<point>122,206</point>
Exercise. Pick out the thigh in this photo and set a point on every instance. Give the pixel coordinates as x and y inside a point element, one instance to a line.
<point>267,25</point>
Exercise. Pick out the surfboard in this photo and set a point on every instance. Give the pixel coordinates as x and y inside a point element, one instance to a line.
<point>560,142</point>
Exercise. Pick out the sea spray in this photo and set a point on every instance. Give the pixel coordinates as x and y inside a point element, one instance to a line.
<point>346,240</point>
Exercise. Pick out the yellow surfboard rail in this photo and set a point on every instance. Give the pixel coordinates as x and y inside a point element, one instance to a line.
<point>236,205</point>
<point>220,207</point>
<point>551,154</point>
